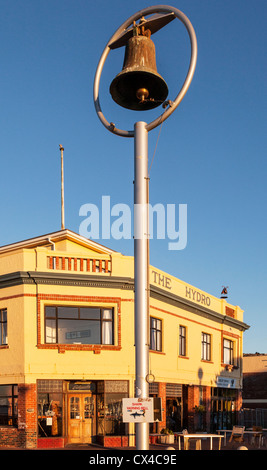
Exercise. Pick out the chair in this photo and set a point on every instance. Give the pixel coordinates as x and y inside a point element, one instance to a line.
<point>237,434</point>
<point>254,436</point>
<point>196,440</point>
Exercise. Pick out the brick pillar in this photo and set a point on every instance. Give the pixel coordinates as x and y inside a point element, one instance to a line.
<point>193,400</point>
<point>207,404</point>
<point>27,418</point>
<point>162,395</point>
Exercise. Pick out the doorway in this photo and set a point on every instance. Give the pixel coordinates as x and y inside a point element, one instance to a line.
<point>81,418</point>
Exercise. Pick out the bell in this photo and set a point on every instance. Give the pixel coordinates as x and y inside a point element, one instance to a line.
<point>139,86</point>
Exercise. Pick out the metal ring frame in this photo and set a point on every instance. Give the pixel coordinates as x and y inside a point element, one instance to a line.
<point>147,11</point>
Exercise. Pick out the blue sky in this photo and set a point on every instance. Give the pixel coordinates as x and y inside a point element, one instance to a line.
<point>211,153</point>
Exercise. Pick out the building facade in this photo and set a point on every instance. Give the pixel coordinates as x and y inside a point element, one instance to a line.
<point>67,355</point>
<point>255,381</point>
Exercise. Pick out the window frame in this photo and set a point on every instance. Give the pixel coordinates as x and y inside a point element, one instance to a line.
<point>205,346</point>
<point>101,321</point>
<point>157,334</point>
<point>229,350</point>
<point>182,340</point>
<point>2,323</point>
<point>12,419</point>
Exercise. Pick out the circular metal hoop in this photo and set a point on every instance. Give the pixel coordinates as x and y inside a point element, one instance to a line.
<point>147,11</point>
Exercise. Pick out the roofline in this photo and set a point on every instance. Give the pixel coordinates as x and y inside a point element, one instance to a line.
<point>56,236</point>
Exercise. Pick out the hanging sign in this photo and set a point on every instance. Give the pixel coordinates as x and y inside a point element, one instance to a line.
<point>138,410</point>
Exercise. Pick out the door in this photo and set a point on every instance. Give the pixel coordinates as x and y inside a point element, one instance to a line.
<point>81,418</point>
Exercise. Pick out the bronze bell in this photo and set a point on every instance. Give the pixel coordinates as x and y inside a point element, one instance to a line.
<point>139,86</point>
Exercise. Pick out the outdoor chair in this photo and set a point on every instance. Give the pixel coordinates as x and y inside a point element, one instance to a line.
<point>237,434</point>
<point>197,441</point>
<point>254,436</point>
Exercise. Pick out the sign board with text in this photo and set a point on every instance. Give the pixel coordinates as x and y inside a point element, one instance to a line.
<point>138,410</point>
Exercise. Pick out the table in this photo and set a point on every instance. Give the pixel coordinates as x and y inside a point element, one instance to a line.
<point>198,437</point>
<point>255,433</point>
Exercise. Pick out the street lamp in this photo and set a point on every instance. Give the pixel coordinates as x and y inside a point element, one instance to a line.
<point>138,86</point>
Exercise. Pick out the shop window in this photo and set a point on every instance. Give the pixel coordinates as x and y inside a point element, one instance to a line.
<point>49,401</point>
<point>155,334</point>
<point>109,407</point>
<point>228,352</point>
<point>9,405</point>
<point>182,340</point>
<point>205,347</point>
<point>79,325</point>
<point>3,327</point>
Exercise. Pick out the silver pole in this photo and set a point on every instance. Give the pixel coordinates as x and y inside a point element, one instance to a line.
<point>62,190</point>
<point>141,273</point>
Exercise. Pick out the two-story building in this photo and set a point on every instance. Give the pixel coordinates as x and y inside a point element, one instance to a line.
<point>67,354</point>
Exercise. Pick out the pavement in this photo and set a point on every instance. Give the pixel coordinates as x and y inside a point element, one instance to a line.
<point>205,443</point>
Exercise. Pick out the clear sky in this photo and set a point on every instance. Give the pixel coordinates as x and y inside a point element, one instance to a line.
<point>211,153</point>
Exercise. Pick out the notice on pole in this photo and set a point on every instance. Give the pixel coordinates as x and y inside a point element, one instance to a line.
<point>138,410</point>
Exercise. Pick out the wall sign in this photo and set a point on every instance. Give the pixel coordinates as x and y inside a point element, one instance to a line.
<point>161,280</point>
<point>224,382</point>
<point>196,296</point>
<point>138,410</point>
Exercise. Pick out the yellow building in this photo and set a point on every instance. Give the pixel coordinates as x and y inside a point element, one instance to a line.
<point>67,353</point>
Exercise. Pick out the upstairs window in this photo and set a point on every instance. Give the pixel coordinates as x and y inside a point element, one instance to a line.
<point>206,347</point>
<point>182,340</point>
<point>3,327</point>
<point>228,352</point>
<point>79,325</point>
<point>155,334</point>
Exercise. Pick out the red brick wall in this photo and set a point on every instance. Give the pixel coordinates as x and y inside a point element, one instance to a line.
<point>25,435</point>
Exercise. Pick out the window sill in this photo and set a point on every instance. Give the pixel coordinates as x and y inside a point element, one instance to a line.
<point>96,348</point>
<point>4,346</point>
<point>157,352</point>
<point>183,357</point>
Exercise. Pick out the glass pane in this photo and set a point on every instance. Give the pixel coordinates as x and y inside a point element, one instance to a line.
<point>4,333</point>
<point>78,332</point>
<point>88,407</point>
<point>107,314</point>
<point>4,315</point>
<point>50,312</point>
<point>74,408</point>
<point>67,312</point>
<point>50,331</point>
<point>90,313</point>
<point>107,332</point>
<point>5,390</point>
<point>158,340</point>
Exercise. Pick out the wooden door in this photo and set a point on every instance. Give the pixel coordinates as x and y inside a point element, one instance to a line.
<point>81,418</point>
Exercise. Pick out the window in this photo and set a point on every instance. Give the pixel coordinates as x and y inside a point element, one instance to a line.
<point>206,347</point>
<point>182,340</point>
<point>3,327</point>
<point>49,402</point>
<point>228,352</point>
<point>9,405</point>
<point>78,325</point>
<point>155,334</point>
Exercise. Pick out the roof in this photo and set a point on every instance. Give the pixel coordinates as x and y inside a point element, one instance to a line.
<point>55,237</point>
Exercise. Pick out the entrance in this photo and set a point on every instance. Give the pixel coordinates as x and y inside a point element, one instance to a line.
<point>81,418</point>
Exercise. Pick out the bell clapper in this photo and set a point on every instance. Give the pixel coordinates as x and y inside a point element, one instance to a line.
<point>142,94</point>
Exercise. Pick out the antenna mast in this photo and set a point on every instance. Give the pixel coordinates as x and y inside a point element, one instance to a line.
<point>62,190</point>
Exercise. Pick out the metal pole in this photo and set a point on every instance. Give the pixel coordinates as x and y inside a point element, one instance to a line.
<point>141,274</point>
<point>62,190</point>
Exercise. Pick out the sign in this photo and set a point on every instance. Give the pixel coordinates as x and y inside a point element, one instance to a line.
<point>196,296</point>
<point>138,410</point>
<point>161,280</point>
<point>225,382</point>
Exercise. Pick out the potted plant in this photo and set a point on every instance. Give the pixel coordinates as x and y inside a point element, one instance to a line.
<point>167,436</point>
